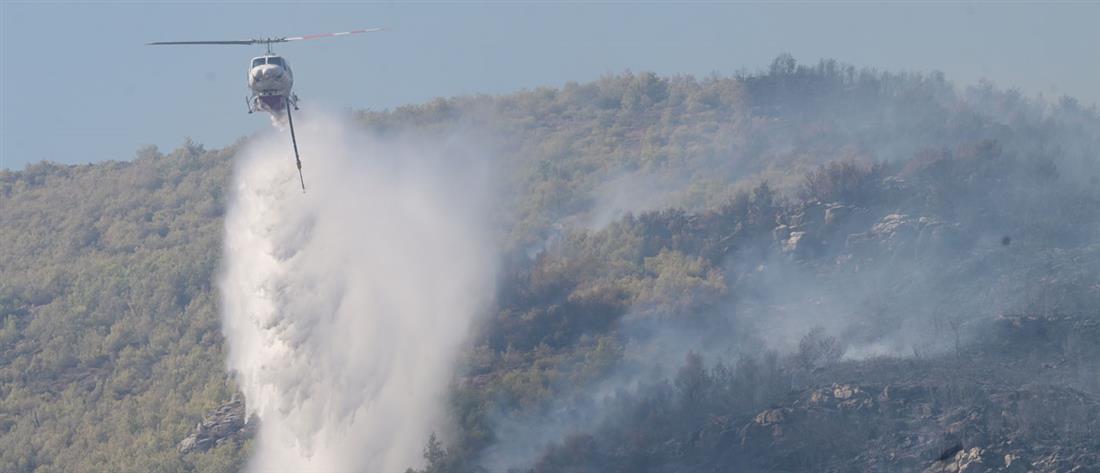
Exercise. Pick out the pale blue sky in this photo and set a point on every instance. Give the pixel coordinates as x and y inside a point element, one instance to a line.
<point>77,85</point>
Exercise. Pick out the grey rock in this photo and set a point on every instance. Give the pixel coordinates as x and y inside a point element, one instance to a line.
<point>226,423</point>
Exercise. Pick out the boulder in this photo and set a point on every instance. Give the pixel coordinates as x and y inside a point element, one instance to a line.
<point>792,243</point>
<point>224,424</point>
<point>835,213</point>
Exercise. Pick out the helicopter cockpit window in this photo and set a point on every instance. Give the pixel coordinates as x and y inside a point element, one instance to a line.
<point>257,62</point>
<point>278,61</point>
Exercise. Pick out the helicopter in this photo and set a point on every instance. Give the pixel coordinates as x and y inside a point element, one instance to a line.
<point>271,80</point>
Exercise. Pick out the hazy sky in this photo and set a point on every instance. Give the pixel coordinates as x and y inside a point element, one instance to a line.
<point>77,85</point>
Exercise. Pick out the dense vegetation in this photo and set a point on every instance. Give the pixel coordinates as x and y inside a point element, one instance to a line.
<point>111,345</point>
<point>656,233</point>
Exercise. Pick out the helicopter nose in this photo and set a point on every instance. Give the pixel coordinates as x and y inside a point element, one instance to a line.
<point>267,72</point>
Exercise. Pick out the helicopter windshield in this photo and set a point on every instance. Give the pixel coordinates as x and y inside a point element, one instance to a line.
<point>278,61</point>
<point>257,62</point>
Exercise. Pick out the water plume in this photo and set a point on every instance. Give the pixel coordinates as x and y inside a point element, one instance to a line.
<point>343,308</point>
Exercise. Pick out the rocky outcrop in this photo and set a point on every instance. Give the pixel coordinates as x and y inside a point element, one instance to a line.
<point>812,229</point>
<point>894,233</point>
<point>224,424</point>
<point>1071,337</point>
<point>930,428</point>
<point>971,460</point>
<point>805,231</point>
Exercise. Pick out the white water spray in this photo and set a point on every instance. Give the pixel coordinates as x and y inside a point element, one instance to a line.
<point>344,307</point>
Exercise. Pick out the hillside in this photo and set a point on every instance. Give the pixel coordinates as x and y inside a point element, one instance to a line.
<point>111,341</point>
<point>767,272</point>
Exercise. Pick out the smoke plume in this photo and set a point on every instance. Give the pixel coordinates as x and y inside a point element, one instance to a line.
<point>344,307</point>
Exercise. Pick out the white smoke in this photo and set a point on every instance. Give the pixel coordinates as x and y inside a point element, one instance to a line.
<point>345,306</point>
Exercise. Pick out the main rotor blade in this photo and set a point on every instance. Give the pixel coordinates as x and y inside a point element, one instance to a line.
<point>329,35</point>
<point>166,43</point>
<point>267,40</point>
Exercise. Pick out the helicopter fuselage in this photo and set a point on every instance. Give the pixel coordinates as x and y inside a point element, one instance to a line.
<point>269,76</point>
<point>271,81</point>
